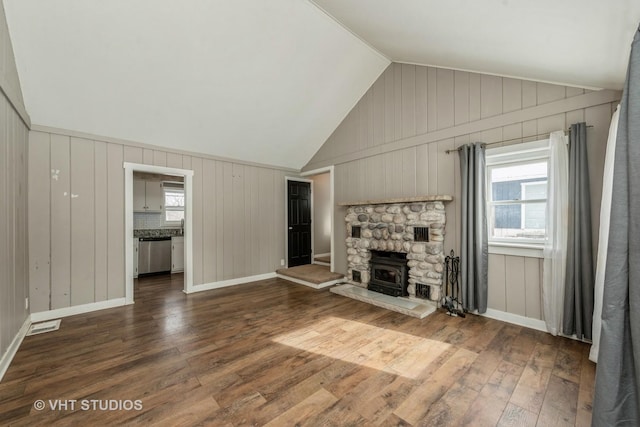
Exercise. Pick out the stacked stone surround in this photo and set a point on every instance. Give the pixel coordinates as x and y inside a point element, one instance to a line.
<point>389,226</point>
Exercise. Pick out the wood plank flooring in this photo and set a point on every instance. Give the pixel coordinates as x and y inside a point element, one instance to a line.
<point>280,354</point>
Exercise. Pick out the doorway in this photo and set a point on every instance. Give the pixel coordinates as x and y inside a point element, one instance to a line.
<point>323,215</point>
<point>299,213</point>
<point>187,176</point>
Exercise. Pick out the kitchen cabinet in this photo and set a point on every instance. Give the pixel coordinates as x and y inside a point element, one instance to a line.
<point>154,196</point>
<point>177,254</point>
<point>136,243</point>
<point>147,196</point>
<point>139,195</point>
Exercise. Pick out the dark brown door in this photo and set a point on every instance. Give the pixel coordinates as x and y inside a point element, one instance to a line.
<point>299,218</point>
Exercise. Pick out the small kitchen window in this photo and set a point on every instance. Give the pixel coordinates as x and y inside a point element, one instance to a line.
<point>173,214</point>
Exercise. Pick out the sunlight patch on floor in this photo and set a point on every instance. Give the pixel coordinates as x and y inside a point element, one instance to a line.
<point>366,345</point>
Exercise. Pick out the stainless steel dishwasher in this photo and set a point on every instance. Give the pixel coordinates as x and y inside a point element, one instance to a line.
<point>154,255</point>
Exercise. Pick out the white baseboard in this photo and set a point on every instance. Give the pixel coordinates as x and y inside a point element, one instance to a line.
<point>230,282</point>
<point>309,284</point>
<point>326,254</point>
<point>77,309</point>
<point>8,355</point>
<point>516,319</point>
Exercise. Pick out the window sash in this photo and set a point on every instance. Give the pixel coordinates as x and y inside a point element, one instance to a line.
<point>500,157</point>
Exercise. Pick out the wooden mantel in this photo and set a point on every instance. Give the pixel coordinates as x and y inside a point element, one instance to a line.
<point>438,198</point>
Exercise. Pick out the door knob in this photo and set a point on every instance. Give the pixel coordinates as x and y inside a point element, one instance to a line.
<point>290,228</point>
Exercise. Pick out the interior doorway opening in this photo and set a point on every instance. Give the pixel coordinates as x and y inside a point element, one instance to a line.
<point>323,240</point>
<point>186,176</point>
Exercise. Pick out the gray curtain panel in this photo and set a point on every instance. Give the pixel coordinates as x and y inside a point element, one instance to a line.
<point>616,400</point>
<point>579,282</point>
<point>474,249</point>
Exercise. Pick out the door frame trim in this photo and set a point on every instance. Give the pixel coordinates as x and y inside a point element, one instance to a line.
<point>286,215</point>
<point>129,168</point>
<point>330,170</point>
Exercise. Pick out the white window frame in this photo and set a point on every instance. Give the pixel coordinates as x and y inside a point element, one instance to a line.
<point>513,155</point>
<point>171,187</point>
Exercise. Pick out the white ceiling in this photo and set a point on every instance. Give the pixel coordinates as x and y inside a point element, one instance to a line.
<point>269,81</point>
<point>582,43</point>
<point>255,80</point>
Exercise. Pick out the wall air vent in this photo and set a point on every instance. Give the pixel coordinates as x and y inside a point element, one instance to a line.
<point>423,291</point>
<point>421,234</point>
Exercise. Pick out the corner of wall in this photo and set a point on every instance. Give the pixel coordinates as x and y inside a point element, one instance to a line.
<point>14,134</point>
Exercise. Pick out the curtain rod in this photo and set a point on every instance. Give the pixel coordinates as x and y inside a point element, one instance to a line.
<point>500,142</point>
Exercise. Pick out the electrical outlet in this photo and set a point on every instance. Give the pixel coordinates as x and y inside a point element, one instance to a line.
<point>26,303</point>
<point>282,261</point>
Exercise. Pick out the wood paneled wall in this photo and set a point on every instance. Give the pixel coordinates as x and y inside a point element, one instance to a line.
<point>516,285</point>
<point>76,219</point>
<point>13,196</point>
<point>394,141</point>
<point>13,223</point>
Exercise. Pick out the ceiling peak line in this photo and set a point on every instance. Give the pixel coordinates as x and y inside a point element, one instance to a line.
<point>347,29</point>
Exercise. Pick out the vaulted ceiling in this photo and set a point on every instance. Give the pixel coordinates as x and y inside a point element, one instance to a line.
<point>269,81</point>
<point>583,43</point>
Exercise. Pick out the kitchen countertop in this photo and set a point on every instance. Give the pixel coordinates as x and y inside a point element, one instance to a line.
<point>157,232</point>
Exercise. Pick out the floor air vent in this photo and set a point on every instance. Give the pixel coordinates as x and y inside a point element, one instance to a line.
<point>41,328</point>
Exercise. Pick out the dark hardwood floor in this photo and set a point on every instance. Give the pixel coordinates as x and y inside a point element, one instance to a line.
<point>281,354</point>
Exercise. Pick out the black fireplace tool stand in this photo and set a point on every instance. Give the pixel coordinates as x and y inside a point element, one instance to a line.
<point>451,300</point>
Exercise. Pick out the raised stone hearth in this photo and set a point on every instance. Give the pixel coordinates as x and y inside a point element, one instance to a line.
<point>413,226</point>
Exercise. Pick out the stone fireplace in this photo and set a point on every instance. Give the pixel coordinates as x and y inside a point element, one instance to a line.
<point>396,245</point>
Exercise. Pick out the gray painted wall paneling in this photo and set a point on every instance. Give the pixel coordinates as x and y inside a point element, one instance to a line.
<point>533,279</point>
<point>410,101</point>
<point>115,221</point>
<point>82,222</point>
<point>101,210</point>
<point>13,212</point>
<point>237,240</point>
<point>497,297</point>
<point>515,285</point>
<point>39,221</point>
<point>444,99</point>
<point>174,160</point>
<point>219,215</point>
<point>60,222</point>
<point>133,155</point>
<point>147,156</point>
<point>159,158</point>
<point>198,219</point>
<point>209,244</point>
<point>238,215</point>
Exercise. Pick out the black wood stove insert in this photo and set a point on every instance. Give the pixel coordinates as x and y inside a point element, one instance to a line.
<point>389,273</point>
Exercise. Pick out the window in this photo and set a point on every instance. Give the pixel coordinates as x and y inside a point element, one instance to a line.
<point>517,193</point>
<point>173,203</point>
